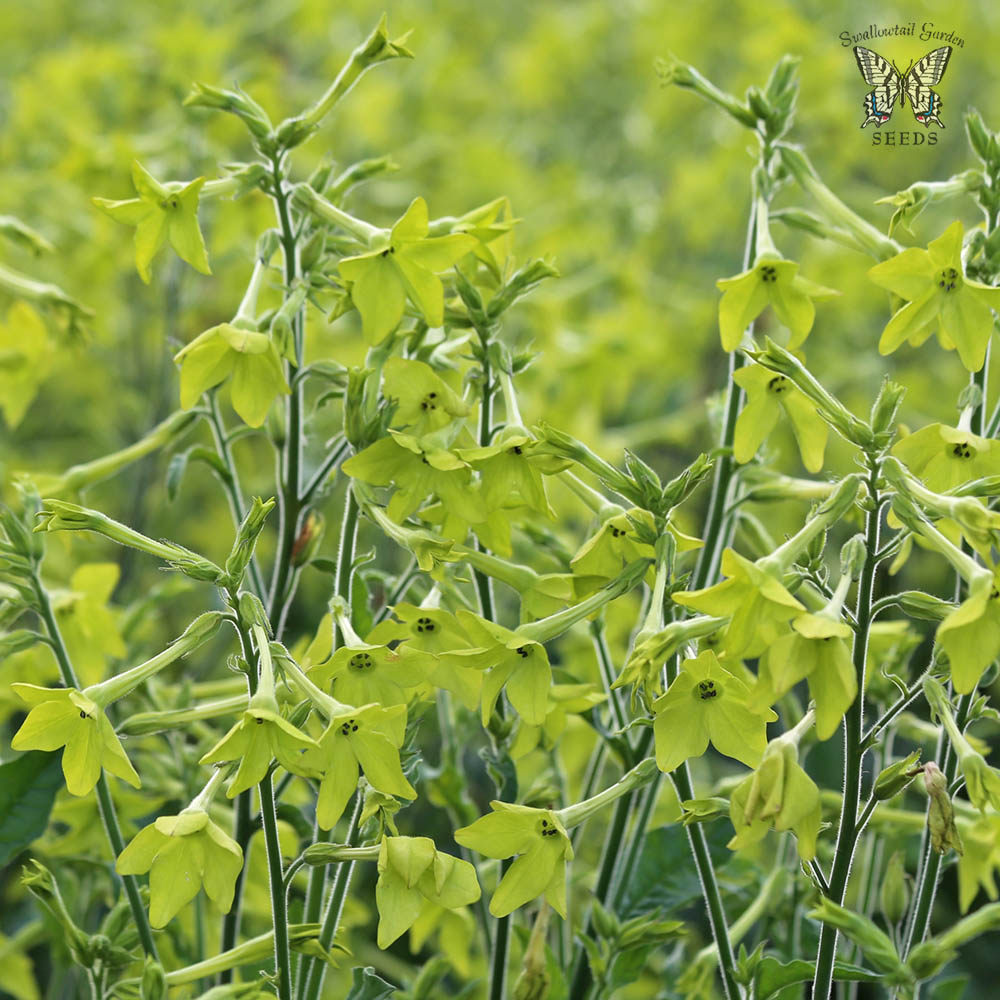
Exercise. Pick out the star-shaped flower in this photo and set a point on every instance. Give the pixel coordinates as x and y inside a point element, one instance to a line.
<point>161,213</point>
<point>706,703</point>
<point>63,717</point>
<point>406,266</point>
<point>769,395</point>
<point>543,848</point>
<point>368,738</point>
<point>183,854</point>
<point>510,660</point>
<point>250,357</point>
<point>939,298</point>
<point>752,596</point>
<point>771,281</point>
<point>945,457</point>
<point>424,401</point>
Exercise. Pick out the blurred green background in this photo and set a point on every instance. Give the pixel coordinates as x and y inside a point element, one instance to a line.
<point>640,195</point>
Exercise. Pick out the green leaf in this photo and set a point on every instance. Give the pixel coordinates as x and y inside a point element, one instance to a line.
<point>773,976</point>
<point>368,986</point>
<point>28,786</point>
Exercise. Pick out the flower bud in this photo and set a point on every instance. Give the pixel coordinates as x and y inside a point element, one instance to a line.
<point>894,895</point>
<point>876,944</point>
<point>246,540</point>
<point>235,102</point>
<point>941,813</point>
<point>154,981</point>
<point>896,777</point>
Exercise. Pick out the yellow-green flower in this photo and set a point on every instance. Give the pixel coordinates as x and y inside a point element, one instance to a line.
<point>707,704</point>
<point>945,457</point>
<point>368,738</point>
<point>752,596</point>
<point>63,717</point>
<point>405,267</point>
<point>183,854</point>
<point>424,401</point>
<point>161,213</point>
<point>769,395</point>
<point>775,282</point>
<point>940,298</point>
<point>542,845</point>
<point>250,357</point>
<point>412,873</point>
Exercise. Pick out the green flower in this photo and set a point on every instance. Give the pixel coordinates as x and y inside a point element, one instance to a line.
<point>162,212</point>
<point>509,660</point>
<point>542,845</point>
<point>773,282</point>
<point>88,626</point>
<point>417,468</point>
<point>434,630</point>
<point>706,703</point>
<point>768,396</point>
<point>939,296</point>
<point>411,874</point>
<point>970,635</point>
<point>945,457</point>
<point>404,267</point>
<point>424,401</point>
<point>261,735</point>
<point>183,854</point>
<point>778,795</point>
<point>250,357</point>
<point>615,544</point>
<point>508,466</point>
<point>753,596</point>
<point>564,700</point>
<point>981,858</point>
<point>541,594</point>
<point>818,648</point>
<point>63,717</point>
<point>368,738</point>
<point>364,672</point>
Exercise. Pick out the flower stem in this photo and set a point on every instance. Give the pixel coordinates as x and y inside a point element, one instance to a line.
<point>314,971</point>
<point>109,817</point>
<point>290,457</point>
<point>854,749</point>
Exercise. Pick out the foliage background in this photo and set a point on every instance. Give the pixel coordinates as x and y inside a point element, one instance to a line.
<point>639,194</point>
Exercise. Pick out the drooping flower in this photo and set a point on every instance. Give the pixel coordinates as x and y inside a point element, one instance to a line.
<point>249,356</point>
<point>184,853</point>
<point>940,298</point>
<point>769,395</point>
<point>62,717</point>
<point>161,213</point>
<point>541,844</point>
<point>945,457</point>
<point>778,795</point>
<point>775,282</point>
<point>262,734</point>
<point>412,874</point>
<point>708,704</point>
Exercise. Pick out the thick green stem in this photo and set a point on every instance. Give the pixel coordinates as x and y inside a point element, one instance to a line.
<point>109,817</point>
<point>854,749</point>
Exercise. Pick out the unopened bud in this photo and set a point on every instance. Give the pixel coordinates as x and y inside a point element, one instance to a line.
<point>941,813</point>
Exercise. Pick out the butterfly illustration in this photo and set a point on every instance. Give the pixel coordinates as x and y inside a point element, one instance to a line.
<point>915,83</point>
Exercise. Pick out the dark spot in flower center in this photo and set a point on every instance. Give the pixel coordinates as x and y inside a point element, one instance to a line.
<point>548,831</point>
<point>351,726</point>
<point>962,450</point>
<point>947,279</point>
<point>617,532</point>
<point>361,661</point>
<point>768,273</point>
<point>427,403</point>
<point>260,722</point>
<point>707,690</point>
<point>425,625</point>
<point>83,714</point>
<point>517,450</point>
<point>523,652</point>
<point>778,384</point>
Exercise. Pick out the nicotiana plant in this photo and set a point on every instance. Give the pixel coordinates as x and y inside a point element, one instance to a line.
<point>325,774</point>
